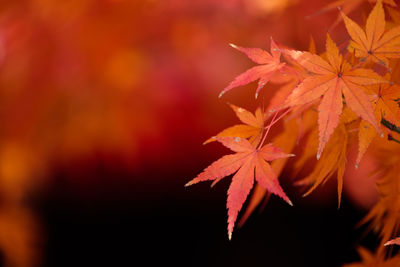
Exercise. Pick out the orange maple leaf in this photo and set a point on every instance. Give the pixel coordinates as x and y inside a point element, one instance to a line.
<point>394,14</point>
<point>346,6</point>
<point>333,161</point>
<point>281,94</point>
<point>374,43</point>
<point>377,259</point>
<point>384,217</point>
<point>269,65</point>
<point>249,163</point>
<point>331,79</point>
<point>252,126</point>
<point>385,102</point>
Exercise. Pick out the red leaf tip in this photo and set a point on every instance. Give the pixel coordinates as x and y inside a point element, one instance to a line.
<point>208,141</point>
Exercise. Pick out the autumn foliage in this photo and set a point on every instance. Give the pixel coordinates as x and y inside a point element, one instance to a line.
<point>326,102</point>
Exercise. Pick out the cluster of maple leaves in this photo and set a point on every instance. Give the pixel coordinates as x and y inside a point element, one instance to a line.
<point>325,102</point>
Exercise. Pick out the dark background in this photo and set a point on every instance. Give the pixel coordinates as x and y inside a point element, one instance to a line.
<point>120,221</point>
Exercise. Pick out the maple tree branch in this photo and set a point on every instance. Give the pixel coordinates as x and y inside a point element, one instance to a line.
<point>390,126</point>
<point>391,138</point>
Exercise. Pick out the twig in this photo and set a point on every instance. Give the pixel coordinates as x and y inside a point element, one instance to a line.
<point>390,126</point>
<point>391,138</point>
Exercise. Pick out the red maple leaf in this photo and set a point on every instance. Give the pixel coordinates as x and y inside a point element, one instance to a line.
<point>269,65</point>
<point>249,163</point>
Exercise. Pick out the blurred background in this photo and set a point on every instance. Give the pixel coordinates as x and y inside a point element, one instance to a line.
<point>104,106</point>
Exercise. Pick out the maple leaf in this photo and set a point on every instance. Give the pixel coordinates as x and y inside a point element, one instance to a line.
<point>285,140</point>
<point>269,65</point>
<point>346,6</point>
<point>281,94</point>
<point>394,14</point>
<point>334,160</point>
<point>252,126</point>
<point>377,259</point>
<point>387,98</point>
<point>331,79</point>
<point>385,103</point>
<point>249,163</point>
<point>373,43</point>
<point>384,217</point>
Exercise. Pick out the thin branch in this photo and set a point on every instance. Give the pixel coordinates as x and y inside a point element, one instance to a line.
<point>390,126</point>
<point>391,138</point>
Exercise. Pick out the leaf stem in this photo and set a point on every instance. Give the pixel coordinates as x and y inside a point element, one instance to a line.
<point>273,121</point>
